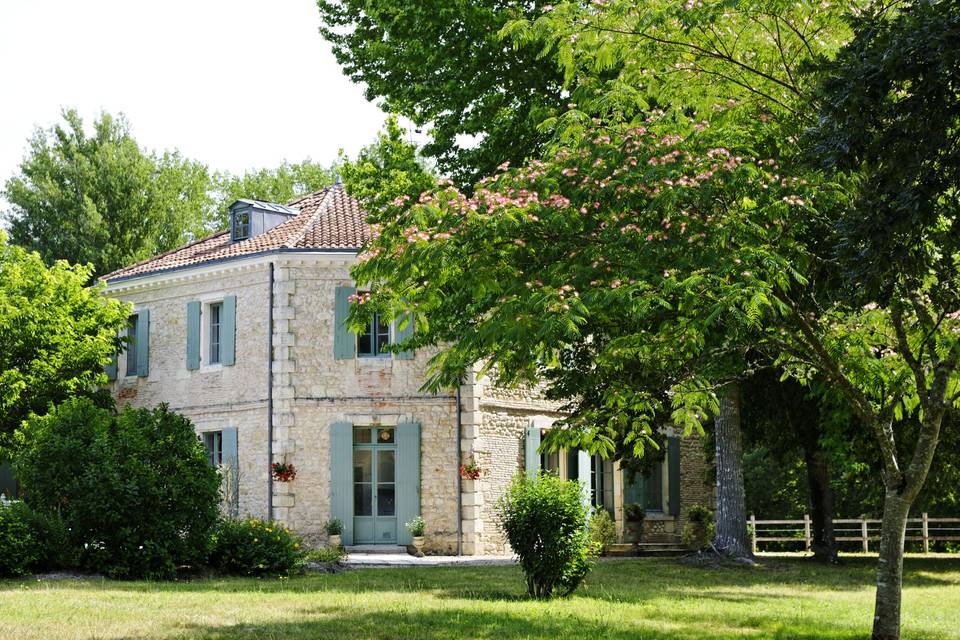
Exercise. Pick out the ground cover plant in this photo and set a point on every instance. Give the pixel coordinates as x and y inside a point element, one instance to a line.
<point>658,599</point>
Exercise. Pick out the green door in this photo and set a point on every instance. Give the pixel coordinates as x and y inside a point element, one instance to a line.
<point>374,485</point>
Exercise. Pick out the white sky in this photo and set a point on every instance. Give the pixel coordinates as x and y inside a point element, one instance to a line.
<point>236,84</point>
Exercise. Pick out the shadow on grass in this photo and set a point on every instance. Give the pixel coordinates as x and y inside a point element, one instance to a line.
<point>452,623</point>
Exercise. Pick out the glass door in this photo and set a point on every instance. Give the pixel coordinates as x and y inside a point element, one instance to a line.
<point>374,485</point>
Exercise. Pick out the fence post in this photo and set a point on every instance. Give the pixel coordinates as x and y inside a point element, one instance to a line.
<point>753,535</point>
<point>926,533</point>
<point>865,533</point>
<point>806,530</point>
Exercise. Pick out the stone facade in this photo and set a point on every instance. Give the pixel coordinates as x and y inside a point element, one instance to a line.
<point>311,391</point>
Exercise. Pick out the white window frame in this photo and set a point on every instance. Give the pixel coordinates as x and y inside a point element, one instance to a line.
<point>391,339</point>
<point>205,304</point>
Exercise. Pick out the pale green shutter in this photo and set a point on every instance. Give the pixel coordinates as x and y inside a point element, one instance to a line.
<point>408,478</point>
<point>673,474</point>
<point>111,368</point>
<point>405,326</point>
<point>228,330</point>
<point>344,340</point>
<point>231,460</point>
<point>583,474</point>
<point>193,334</point>
<point>341,477</point>
<point>531,452</point>
<point>143,343</point>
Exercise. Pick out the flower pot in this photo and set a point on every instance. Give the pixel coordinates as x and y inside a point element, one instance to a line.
<point>418,546</point>
<point>335,540</point>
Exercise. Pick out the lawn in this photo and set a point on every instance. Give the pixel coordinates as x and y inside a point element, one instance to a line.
<point>631,598</point>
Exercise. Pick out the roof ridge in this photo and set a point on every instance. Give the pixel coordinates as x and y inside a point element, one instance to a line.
<point>321,208</point>
<point>304,196</point>
<point>164,254</point>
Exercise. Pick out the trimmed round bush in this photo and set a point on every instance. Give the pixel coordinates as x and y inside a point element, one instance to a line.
<point>254,547</point>
<point>134,491</point>
<point>18,545</point>
<point>545,522</point>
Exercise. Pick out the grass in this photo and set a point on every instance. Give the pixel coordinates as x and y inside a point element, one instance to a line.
<point>785,597</point>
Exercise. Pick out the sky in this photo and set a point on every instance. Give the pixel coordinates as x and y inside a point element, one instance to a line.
<point>236,84</point>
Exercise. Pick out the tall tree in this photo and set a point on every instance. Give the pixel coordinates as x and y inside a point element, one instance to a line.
<point>57,334</point>
<point>442,64</point>
<point>890,115</point>
<point>280,184</point>
<point>99,198</point>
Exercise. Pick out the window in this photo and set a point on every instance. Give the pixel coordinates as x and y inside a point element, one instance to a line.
<point>372,342</point>
<point>653,484</point>
<point>213,331</point>
<point>132,345</point>
<point>213,443</point>
<point>241,225</point>
<point>601,482</point>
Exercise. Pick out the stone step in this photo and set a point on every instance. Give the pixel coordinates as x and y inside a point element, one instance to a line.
<point>379,549</point>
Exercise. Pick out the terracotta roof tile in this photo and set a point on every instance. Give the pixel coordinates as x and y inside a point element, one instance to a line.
<point>328,219</point>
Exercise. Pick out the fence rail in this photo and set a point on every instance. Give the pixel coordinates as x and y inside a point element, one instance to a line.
<point>863,530</point>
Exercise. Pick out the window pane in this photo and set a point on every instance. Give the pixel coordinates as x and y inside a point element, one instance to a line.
<point>385,466</point>
<point>363,499</point>
<point>362,466</point>
<point>361,435</point>
<point>132,346</point>
<point>385,436</point>
<point>215,313</point>
<point>365,342</point>
<point>386,503</point>
<point>383,334</point>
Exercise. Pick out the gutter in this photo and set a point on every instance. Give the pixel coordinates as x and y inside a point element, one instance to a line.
<point>459,479</point>
<point>270,399</point>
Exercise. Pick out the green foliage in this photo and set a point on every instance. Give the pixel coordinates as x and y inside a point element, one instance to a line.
<point>99,198</point>
<point>634,512</point>
<point>53,548</point>
<point>698,528</point>
<point>388,170</point>
<point>444,64</point>
<point>603,531</point>
<point>281,185</point>
<point>255,547</point>
<point>56,335</point>
<point>334,527</point>
<point>416,527</point>
<point>135,490</point>
<point>325,555</point>
<point>18,544</point>
<point>545,522</point>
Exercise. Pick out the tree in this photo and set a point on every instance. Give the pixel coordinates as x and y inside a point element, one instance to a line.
<point>280,185</point>
<point>101,199</point>
<point>387,170</point>
<point>442,64</point>
<point>57,334</point>
<point>890,115</point>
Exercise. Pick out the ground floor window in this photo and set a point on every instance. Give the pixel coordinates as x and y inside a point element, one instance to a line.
<point>213,443</point>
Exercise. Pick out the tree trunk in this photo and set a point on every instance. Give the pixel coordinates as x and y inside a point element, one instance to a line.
<point>824,543</point>
<point>886,618</point>
<point>731,536</point>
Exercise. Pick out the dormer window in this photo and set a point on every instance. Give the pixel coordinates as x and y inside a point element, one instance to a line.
<point>241,225</point>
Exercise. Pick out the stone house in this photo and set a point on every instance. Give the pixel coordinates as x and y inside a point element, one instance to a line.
<point>244,333</point>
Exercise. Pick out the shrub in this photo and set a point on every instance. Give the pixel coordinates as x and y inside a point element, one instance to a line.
<point>254,547</point>
<point>603,531</point>
<point>545,522</point>
<point>634,512</point>
<point>324,555</point>
<point>699,528</point>
<point>134,490</point>
<point>334,527</point>
<point>18,545</point>
<point>54,551</point>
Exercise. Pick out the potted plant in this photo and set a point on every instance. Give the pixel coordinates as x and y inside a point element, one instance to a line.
<point>634,515</point>
<point>470,470</point>
<point>284,471</point>
<point>334,529</point>
<point>416,527</point>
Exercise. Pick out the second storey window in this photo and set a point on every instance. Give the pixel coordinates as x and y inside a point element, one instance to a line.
<point>241,225</point>
<point>132,345</point>
<point>372,342</point>
<point>216,318</point>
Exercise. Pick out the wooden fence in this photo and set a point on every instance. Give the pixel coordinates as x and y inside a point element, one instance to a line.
<point>923,529</point>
